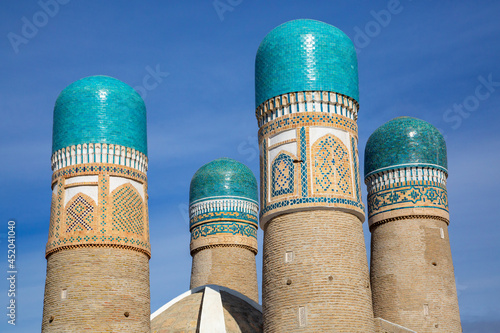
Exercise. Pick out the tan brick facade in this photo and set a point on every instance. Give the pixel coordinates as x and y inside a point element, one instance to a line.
<point>97,289</point>
<point>315,276</point>
<point>412,275</point>
<point>229,266</point>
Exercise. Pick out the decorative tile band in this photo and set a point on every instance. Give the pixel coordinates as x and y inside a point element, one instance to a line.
<point>111,212</point>
<point>298,120</point>
<point>234,209</point>
<point>99,153</point>
<point>407,195</point>
<point>406,175</point>
<point>319,170</point>
<point>306,101</point>
<point>233,228</point>
<point>224,233</point>
<point>97,169</point>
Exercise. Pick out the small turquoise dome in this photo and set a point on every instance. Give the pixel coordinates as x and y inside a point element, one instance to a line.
<point>223,177</point>
<point>305,55</point>
<point>99,109</point>
<point>405,141</point>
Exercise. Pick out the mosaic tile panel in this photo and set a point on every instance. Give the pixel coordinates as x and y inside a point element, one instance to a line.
<point>119,222</point>
<point>303,164</point>
<point>52,216</point>
<point>405,141</point>
<point>223,216</point>
<point>357,183</point>
<point>80,213</point>
<point>304,55</point>
<point>127,214</point>
<point>331,167</point>
<point>99,109</point>
<point>96,169</point>
<point>282,173</point>
<point>232,228</point>
<point>298,120</point>
<point>401,196</point>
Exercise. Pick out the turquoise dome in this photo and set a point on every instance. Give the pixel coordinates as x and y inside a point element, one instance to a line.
<point>405,141</point>
<point>223,177</point>
<point>99,109</point>
<point>305,55</point>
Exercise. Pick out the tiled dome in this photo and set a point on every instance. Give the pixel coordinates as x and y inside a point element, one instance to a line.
<point>223,177</point>
<point>402,142</point>
<point>99,109</point>
<point>304,55</point>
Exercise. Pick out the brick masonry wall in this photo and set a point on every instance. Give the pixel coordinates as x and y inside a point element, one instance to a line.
<point>412,275</point>
<point>228,266</point>
<point>102,284</point>
<point>315,275</point>
<point>384,326</point>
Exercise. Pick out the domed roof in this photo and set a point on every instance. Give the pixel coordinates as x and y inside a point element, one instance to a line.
<point>223,177</point>
<point>99,109</point>
<point>303,55</point>
<point>208,308</point>
<point>405,141</point>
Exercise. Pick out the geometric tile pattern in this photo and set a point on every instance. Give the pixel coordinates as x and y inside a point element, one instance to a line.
<point>99,168</point>
<point>79,213</point>
<point>223,215</point>
<point>356,169</point>
<point>403,196</point>
<point>295,120</point>
<point>52,216</point>
<point>331,168</point>
<point>325,176</point>
<point>303,158</point>
<point>233,228</point>
<point>127,211</point>
<point>282,171</point>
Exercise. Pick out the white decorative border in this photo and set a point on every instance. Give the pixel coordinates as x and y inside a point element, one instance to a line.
<point>306,101</point>
<point>99,153</point>
<point>223,204</point>
<point>376,181</point>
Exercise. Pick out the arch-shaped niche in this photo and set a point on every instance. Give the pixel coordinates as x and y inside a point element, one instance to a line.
<point>127,210</point>
<point>331,167</point>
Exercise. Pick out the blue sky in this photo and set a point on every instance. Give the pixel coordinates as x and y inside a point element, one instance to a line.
<point>437,61</point>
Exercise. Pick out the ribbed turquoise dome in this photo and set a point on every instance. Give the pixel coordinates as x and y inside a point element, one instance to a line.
<point>405,141</point>
<point>99,109</point>
<point>223,177</point>
<point>304,55</point>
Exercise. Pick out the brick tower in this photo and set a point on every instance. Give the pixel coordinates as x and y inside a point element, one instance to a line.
<point>411,267</point>
<point>223,211</point>
<point>315,271</point>
<point>98,247</point>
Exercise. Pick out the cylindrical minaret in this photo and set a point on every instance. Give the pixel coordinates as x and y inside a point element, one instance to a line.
<point>98,248</point>
<point>223,210</point>
<point>315,271</point>
<point>411,267</point>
